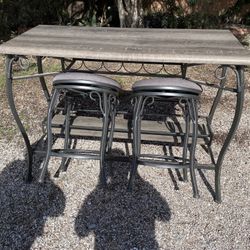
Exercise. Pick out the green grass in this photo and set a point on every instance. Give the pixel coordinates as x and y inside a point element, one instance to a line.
<point>50,66</point>
<point>53,67</point>
<point>2,81</point>
<point>7,132</point>
<point>31,70</point>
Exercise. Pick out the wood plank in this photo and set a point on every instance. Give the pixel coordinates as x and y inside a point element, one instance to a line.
<point>94,42</point>
<point>92,128</point>
<point>134,45</point>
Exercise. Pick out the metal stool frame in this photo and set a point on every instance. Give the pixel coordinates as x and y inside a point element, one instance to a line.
<point>107,98</point>
<point>190,104</point>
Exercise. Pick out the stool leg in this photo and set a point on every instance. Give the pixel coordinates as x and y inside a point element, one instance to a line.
<point>106,110</point>
<point>186,139</point>
<point>49,135</point>
<point>194,118</point>
<point>67,131</point>
<point>138,132</point>
<point>136,138</point>
<point>112,126</point>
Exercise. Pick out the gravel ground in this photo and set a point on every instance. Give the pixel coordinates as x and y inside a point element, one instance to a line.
<point>73,212</point>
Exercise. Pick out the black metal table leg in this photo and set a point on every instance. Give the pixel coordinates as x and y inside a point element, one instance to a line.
<point>138,107</point>
<point>194,117</point>
<point>217,98</point>
<point>49,135</point>
<point>42,80</point>
<point>186,139</point>
<point>106,109</point>
<point>9,89</point>
<point>237,115</point>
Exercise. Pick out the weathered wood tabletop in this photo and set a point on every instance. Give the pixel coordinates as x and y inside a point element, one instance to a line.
<point>133,45</point>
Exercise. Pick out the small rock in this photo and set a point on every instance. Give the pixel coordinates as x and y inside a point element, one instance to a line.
<point>92,226</point>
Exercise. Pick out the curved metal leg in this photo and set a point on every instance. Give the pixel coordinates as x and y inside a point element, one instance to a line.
<point>9,89</point>
<point>237,115</point>
<point>183,70</point>
<point>194,118</point>
<point>49,135</point>
<point>218,95</point>
<point>41,78</point>
<point>67,132</point>
<point>186,140</point>
<point>106,109</point>
<point>112,126</point>
<point>136,138</point>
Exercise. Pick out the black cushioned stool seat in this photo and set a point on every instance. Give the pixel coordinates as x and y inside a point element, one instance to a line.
<point>87,79</point>
<point>167,84</point>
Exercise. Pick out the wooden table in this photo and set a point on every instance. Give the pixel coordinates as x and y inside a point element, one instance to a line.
<point>185,48</point>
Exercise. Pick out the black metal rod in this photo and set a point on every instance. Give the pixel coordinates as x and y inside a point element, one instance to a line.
<point>67,134</point>
<point>75,155</point>
<point>106,109</point>
<point>193,113</point>
<point>205,166</point>
<point>218,95</point>
<point>10,96</point>
<point>184,70</point>
<point>16,78</point>
<point>112,121</point>
<point>166,157</point>
<point>186,138</point>
<point>212,85</point>
<point>41,78</point>
<point>136,139</point>
<point>49,136</point>
<point>162,164</point>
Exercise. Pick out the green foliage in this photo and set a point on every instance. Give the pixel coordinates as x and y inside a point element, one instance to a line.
<point>176,18</point>
<point>233,14</point>
<point>192,2</point>
<point>195,21</point>
<point>18,15</point>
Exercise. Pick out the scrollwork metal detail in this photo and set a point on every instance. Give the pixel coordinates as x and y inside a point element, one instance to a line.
<point>145,103</point>
<point>92,97</point>
<point>92,69</point>
<point>123,68</point>
<point>218,75</point>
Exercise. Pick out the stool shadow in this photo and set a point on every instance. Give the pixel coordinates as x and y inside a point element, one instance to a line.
<point>119,219</point>
<point>25,207</point>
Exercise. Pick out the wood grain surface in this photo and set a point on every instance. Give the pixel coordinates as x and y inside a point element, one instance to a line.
<point>130,45</point>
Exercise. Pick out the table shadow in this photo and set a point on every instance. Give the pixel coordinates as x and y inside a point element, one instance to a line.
<point>120,219</point>
<point>25,207</point>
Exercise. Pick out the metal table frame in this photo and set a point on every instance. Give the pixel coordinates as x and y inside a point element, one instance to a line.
<point>216,164</point>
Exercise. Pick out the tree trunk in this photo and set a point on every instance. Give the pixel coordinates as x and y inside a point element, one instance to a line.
<point>130,13</point>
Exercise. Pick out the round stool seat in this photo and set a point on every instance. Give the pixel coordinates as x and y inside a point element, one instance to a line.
<point>78,78</point>
<point>167,84</point>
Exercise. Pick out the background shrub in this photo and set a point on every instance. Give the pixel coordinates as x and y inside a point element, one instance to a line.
<point>16,16</point>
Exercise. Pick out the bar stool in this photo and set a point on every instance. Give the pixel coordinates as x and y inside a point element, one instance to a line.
<point>96,87</point>
<point>185,92</point>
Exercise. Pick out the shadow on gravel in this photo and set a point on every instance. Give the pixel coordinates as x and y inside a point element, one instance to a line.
<point>24,208</point>
<point>119,219</point>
